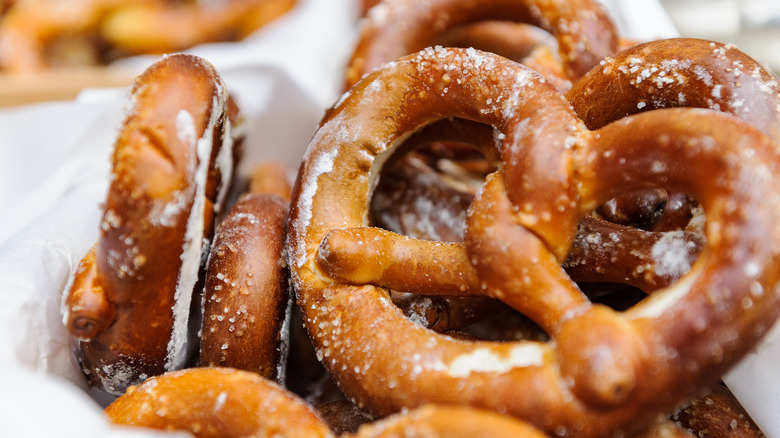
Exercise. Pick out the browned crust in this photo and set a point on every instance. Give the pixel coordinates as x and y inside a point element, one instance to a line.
<point>218,403</point>
<point>246,296</point>
<point>397,28</point>
<point>660,353</point>
<point>159,192</point>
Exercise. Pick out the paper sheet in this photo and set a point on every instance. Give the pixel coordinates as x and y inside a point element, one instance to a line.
<point>284,77</point>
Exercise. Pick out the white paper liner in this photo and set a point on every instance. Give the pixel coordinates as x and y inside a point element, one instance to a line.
<point>284,77</point>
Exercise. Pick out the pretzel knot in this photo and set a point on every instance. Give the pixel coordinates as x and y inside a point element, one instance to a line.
<point>603,370</point>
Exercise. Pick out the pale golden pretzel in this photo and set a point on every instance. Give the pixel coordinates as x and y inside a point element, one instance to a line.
<point>678,72</point>
<point>128,307</point>
<point>603,371</point>
<point>583,29</point>
<point>164,27</point>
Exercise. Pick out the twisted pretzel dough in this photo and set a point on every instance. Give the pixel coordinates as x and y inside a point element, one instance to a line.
<point>129,303</point>
<point>414,199</point>
<point>603,371</point>
<point>584,31</point>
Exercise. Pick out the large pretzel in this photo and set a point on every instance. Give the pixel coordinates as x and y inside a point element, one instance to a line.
<point>583,29</point>
<point>129,304</point>
<point>603,371</point>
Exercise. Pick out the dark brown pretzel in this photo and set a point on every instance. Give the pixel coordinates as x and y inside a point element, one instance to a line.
<point>605,371</point>
<point>583,29</point>
<point>129,304</point>
<point>246,296</point>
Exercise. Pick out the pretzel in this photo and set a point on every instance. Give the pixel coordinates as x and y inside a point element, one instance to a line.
<point>163,27</point>
<point>449,422</point>
<point>718,414</point>
<point>652,210</point>
<point>679,72</point>
<point>245,296</point>
<point>216,402</point>
<point>271,177</point>
<point>39,35</point>
<point>583,29</point>
<point>555,171</point>
<point>129,303</point>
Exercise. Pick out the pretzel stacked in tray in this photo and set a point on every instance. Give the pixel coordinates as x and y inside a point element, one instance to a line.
<point>465,231</point>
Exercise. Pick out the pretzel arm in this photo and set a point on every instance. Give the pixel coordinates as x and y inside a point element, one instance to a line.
<point>606,252</point>
<point>375,256</point>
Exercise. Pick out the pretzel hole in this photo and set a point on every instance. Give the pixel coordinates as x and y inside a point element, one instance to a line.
<point>423,192</point>
<point>426,187</point>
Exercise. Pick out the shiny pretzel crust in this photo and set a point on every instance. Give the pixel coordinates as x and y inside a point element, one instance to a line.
<point>386,363</point>
<point>167,181</point>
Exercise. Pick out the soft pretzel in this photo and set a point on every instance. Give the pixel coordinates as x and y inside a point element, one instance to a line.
<point>678,72</point>
<point>216,402</point>
<point>129,304</point>
<point>246,296</point>
<point>44,34</point>
<point>449,422</point>
<point>583,29</point>
<point>603,371</point>
<point>163,27</point>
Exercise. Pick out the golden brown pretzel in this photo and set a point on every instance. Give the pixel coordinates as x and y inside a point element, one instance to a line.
<point>216,402</point>
<point>43,34</point>
<point>130,301</point>
<point>583,29</point>
<point>163,27</point>
<point>447,422</point>
<point>679,72</point>
<point>246,296</point>
<point>600,374</point>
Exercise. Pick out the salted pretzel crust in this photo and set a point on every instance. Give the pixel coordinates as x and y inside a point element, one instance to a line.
<point>165,191</point>
<point>554,172</point>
